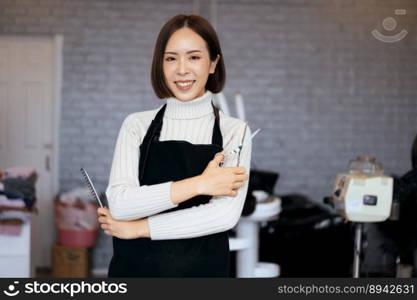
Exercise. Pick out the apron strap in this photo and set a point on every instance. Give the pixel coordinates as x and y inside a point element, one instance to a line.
<point>147,140</point>
<point>217,137</point>
<point>154,132</point>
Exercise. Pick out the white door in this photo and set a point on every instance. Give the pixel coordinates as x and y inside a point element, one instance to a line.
<point>28,128</point>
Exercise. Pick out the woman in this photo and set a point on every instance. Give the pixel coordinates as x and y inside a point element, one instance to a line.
<point>171,204</point>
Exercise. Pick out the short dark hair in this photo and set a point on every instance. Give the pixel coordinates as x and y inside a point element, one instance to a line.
<point>202,27</point>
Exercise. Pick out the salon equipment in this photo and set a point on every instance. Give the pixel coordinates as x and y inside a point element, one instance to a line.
<point>260,206</point>
<point>257,208</point>
<point>222,103</point>
<point>362,195</point>
<point>259,180</point>
<point>239,148</point>
<point>399,232</point>
<point>307,240</point>
<point>90,186</point>
<point>248,264</point>
<point>240,107</point>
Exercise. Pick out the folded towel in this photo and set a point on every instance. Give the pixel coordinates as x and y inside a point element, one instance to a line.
<point>4,201</point>
<point>24,172</point>
<point>19,188</point>
<point>7,229</point>
<point>14,214</point>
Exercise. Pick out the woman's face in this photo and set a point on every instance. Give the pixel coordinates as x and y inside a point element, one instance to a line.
<point>187,64</point>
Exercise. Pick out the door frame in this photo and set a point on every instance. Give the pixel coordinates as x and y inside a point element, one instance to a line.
<point>58,42</point>
<point>58,75</point>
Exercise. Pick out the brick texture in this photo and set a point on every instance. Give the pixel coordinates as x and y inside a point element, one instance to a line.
<point>321,87</point>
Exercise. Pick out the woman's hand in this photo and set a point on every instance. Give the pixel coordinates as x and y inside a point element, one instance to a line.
<point>122,229</point>
<point>221,181</point>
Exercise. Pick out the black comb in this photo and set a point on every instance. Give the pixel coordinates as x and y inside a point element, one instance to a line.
<point>90,185</point>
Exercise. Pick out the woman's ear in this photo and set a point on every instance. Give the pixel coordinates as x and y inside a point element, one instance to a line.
<point>213,64</point>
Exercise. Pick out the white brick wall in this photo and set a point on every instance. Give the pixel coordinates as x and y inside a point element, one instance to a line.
<point>322,88</point>
<point>319,85</point>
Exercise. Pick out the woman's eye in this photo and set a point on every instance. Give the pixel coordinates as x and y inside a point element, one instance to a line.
<point>170,59</point>
<point>195,57</point>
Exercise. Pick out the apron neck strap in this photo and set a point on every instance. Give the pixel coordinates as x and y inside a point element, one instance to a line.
<point>154,131</point>
<point>156,126</point>
<point>217,134</point>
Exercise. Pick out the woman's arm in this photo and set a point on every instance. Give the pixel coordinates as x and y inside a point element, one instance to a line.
<point>127,199</point>
<point>220,214</point>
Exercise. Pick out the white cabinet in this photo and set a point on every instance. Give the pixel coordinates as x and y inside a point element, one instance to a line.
<point>15,254</point>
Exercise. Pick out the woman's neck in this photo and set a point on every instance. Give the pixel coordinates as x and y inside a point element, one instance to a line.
<point>196,108</point>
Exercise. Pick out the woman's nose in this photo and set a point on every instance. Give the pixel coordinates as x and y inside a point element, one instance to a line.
<point>182,67</point>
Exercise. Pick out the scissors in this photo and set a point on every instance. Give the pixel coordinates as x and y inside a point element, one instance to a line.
<point>238,149</point>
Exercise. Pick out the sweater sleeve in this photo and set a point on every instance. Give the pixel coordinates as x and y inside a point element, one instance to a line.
<point>127,199</point>
<point>220,214</point>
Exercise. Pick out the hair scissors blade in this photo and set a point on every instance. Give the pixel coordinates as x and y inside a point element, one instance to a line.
<point>255,133</point>
<point>239,148</point>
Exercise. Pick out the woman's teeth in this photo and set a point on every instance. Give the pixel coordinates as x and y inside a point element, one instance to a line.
<point>184,85</point>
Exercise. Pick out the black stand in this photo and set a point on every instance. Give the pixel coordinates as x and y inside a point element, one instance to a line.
<point>357,249</point>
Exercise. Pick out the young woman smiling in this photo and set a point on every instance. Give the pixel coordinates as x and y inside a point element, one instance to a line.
<point>170,202</point>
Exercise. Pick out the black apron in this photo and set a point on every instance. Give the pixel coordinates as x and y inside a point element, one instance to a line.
<point>162,161</point>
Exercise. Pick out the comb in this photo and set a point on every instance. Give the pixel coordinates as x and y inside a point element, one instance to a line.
<point>90,186</point>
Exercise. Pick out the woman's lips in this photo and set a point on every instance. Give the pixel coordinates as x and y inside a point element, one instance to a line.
<point>184,85</point>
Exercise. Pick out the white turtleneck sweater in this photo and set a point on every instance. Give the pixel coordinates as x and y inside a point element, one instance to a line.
<point>191,121</point>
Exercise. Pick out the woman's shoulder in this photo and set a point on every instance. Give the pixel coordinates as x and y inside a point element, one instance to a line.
<point>233,130</point>
<point>229,123</point>
<point>139,121</point>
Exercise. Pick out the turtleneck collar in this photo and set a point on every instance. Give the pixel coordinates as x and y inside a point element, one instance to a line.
<point>196,108</point>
